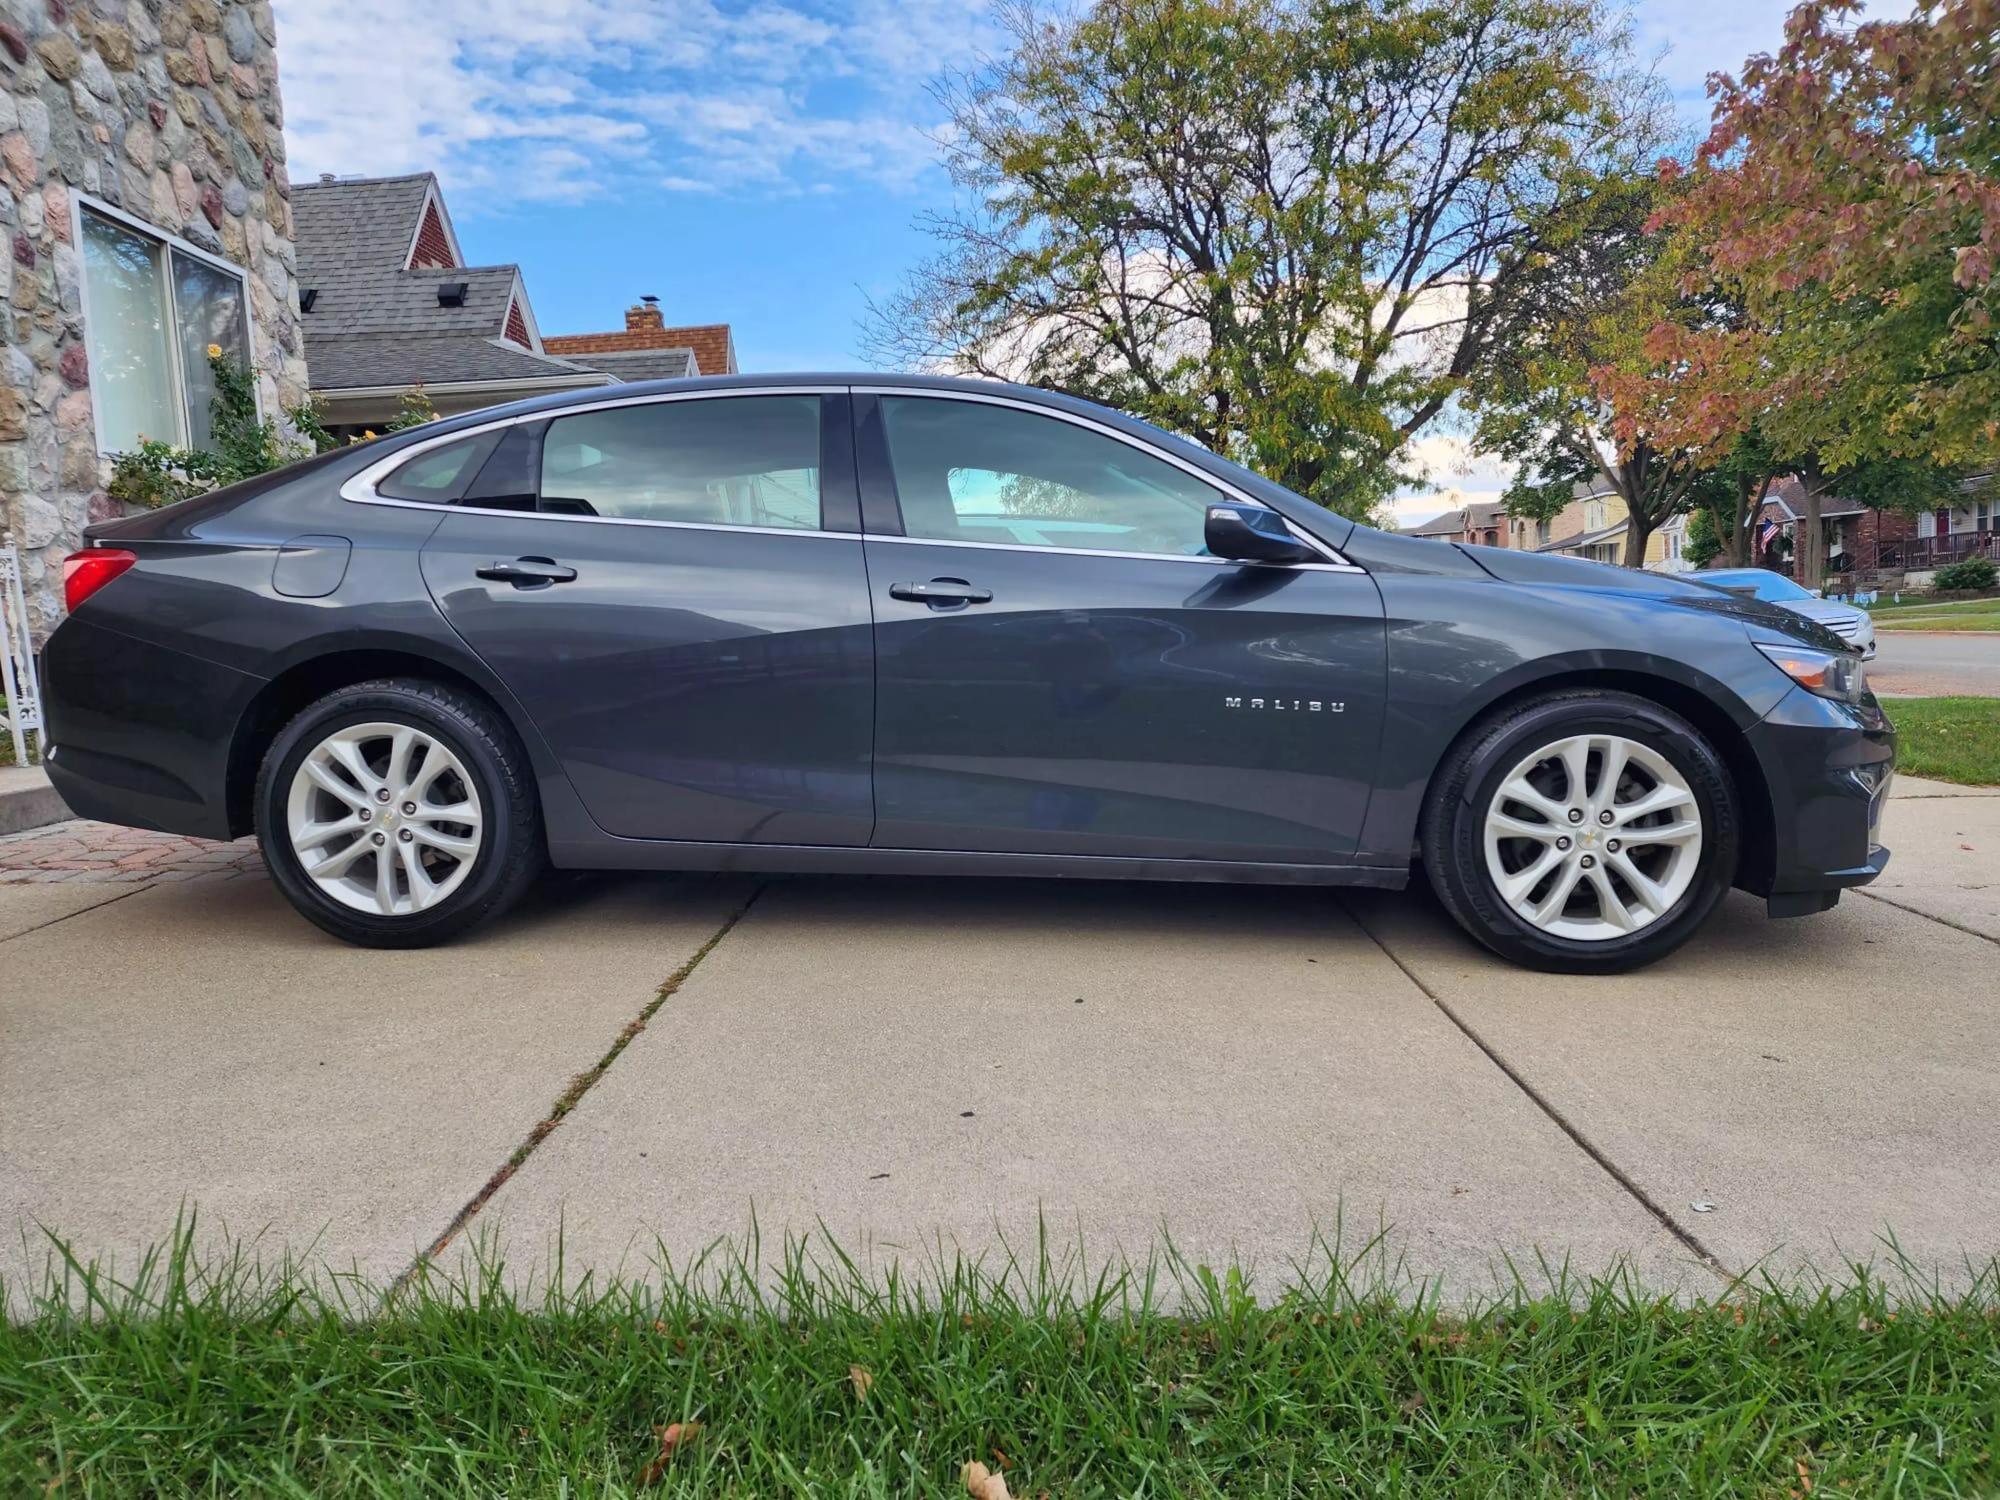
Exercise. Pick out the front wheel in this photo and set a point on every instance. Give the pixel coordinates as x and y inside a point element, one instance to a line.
<point>1584,832</point>
<point>398,813</point>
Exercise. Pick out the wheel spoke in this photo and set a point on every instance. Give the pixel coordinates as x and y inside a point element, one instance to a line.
<point>385,881</point>
<point>452,844</point>
<point>1666,833</point>
<point>1520,789</point>
<point>328,780</point>
<point>1608,905</point>
<point>466,813</point>
<point>1575,756</point>
<point>315,834</point>
<point>1551,905</point>
<point>1666,797</point>
<point>423,890</point>
<point>1609,774</point>
<point>1643,886</point>
<point>397,777</point>
<point>1506,827</point>
<point>348,754</point>
<point>335,865</point>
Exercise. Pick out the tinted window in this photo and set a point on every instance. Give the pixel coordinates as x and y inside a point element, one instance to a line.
<point>1774,587</point>
<point>970,472</point>
<point>730,461</point>
<point>440,475</point>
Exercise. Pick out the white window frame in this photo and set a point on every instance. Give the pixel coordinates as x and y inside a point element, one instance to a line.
<point>82,203</point>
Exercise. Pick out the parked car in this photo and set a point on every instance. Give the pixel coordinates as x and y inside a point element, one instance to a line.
<point>1852,625</point>
<point>870,623</point>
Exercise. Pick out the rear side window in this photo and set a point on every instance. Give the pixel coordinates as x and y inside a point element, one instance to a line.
<point>719,461</point>
<point>439,476</point>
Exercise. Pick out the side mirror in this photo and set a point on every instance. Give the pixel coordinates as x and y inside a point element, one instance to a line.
<point>1250,533</point>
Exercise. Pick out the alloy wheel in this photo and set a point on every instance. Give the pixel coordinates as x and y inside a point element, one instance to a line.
<point>384,818</point>
<point>1593,837</point>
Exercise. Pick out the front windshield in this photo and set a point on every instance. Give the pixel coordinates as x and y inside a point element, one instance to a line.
<point>1774,587</point>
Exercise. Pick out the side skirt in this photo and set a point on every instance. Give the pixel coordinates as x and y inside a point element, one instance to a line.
<point>806,859</point>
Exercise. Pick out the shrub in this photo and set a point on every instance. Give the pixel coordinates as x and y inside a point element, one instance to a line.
<point>1971,573</point>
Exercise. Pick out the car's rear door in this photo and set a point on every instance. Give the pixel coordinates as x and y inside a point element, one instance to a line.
<point>1061,669</point>
<point>674,589</point>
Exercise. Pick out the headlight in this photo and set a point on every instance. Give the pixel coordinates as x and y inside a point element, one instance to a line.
<point>1830,674</point>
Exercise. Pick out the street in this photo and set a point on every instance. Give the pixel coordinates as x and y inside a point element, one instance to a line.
<point>926,1065</point>
<point>1919,664</point>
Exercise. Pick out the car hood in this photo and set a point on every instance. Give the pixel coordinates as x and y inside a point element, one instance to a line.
<point>1550,570</point>
<point>1823,610</point>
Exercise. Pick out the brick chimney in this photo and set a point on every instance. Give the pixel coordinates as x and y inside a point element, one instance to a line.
<point>645,317</point>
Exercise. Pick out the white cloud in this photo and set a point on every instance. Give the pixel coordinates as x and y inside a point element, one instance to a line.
<point>558,100</point>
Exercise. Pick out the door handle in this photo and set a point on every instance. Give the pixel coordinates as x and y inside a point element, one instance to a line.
<point>941,593</point>
<point>528,572</point>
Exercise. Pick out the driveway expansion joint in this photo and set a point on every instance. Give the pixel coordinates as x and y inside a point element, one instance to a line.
<point>565,1102</point>
<point>1984,937</point>
<point>1708,1258</point>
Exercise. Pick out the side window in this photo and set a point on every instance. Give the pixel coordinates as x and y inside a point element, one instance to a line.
<point>439,476</point>
<point>967,471</point>
<point>726,461</point>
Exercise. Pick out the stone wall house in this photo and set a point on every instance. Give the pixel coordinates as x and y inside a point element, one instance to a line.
<point>144,206</point>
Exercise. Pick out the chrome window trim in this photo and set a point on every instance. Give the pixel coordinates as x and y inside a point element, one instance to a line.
<point>360,488</point>
<point>1078,420</point>
<point>1172,557</point>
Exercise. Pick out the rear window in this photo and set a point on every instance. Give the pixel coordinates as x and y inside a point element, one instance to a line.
<point>440,475</point>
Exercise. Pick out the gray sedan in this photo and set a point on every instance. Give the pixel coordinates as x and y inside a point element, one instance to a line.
<point>1852,625</point>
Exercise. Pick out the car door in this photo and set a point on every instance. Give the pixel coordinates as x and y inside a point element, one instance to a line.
<point>1062,669</point>
<point>674,590</point>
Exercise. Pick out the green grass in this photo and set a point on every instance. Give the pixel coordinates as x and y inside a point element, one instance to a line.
<point>1948,739</point>
<point>1973,614</point>
<point>224,1380</point>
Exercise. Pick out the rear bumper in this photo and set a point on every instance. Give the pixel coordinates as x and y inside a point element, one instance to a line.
<point>140,734</point>
<point>1828,767</point>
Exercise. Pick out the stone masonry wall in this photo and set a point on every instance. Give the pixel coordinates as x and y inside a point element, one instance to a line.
<point>168,110</point>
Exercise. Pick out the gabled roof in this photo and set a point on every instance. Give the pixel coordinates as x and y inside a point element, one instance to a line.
<point>1451,523</point>
<point>1483,513</point>
<point>376,322</point>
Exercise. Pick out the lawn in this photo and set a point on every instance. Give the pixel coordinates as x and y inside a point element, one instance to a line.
<point>1973,614</point>
<point>1948,739</point>
<point>228,1381</point>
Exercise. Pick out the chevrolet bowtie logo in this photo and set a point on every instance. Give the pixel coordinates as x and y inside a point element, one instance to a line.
<point>1288,705</point>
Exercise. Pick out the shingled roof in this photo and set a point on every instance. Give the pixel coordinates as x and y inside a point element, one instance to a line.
<point>376,320</point>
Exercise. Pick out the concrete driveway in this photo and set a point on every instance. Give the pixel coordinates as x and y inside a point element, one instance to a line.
<point>914,1066</point>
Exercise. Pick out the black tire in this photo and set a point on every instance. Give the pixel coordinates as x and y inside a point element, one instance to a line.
<point>1453,827</point>
<point>512,850</point>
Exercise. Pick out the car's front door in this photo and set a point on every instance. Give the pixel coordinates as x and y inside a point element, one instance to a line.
<point>674,590</point>
<point>1061,667</point>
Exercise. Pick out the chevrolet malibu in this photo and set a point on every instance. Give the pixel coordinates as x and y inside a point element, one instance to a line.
<point>922,626</point>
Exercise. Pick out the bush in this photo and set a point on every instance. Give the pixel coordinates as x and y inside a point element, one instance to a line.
<point>1973,573</point>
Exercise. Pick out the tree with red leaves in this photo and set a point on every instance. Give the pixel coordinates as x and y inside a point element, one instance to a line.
<point>1846,204</point>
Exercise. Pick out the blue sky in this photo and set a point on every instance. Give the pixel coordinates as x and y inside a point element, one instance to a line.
<point>754,162</point>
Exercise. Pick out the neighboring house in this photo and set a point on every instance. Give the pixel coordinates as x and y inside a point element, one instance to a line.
<point>1481,524</point>
<point>646,349</point>
<point>1666,548</point>
<point>1858,538</point>
<point>1449,527</point>
<point>143,167</point>
<point>1592,525</point>
<point>389,304</point>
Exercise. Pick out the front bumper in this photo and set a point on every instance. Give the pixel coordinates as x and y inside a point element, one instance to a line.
<point>1828,767</point>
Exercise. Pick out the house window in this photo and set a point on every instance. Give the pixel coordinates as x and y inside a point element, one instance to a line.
<point>152,308</point>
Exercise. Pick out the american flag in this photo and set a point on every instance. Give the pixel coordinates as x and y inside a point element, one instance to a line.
<point>1766,532</point>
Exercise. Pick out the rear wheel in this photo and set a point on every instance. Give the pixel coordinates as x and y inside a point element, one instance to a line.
<point>398,813</point>
<point>1587,832</point>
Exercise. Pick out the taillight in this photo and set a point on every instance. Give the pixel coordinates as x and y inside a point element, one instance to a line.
<point>84,573</point>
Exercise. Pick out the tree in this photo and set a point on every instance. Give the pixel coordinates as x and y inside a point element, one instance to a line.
<point>1703,544</point>
<point>1547,399</point>
<point>1848,198</point>
<point>1287,228</point>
